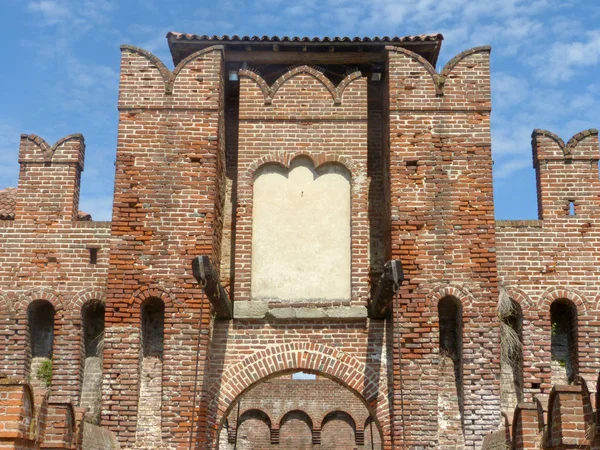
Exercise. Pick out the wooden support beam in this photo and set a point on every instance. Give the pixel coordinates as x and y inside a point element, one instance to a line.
<point>390,281</point>
<point>283,57</point>
<point>207,276</point>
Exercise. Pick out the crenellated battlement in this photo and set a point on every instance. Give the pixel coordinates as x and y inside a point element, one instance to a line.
<point>67,150</point>
<point>463,83</point>
<point>302,93</point>
<point>49,179</point>
<point>547,146</point>
<point>567,174</point>
<point>282,180</point>
<point>566,419</point>
<point>146,82</point>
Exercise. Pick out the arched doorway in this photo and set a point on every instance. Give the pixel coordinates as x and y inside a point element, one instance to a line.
<point>309,357</point>
<point>299,410</point>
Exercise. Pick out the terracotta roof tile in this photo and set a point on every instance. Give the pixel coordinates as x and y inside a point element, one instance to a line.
<point>8,203</point>
<point>305,39</point>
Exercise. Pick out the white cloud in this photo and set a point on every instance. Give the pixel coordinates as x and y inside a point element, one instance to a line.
<point>52,12</point>
<point>508,168</point>
<point>508,90</point>
<point>67,13</point>
<point>564,60</point>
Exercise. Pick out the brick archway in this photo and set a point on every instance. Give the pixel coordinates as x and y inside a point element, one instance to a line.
<point>307,357</point>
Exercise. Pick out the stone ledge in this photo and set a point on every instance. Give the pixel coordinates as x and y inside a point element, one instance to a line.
<point>260,309</point>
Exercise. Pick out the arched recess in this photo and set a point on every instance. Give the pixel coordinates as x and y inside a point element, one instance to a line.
<point>450,382</point>
<point>296,430</point>
<point>338,430</point>
<point>18,363</point>
<point>564,341</point>
<point>302,224</point>
<point>92,337</point>
<point>319,359</point>
<point>510,314</point>
<point>152,327</point>
<point>40,323</point>
<point>253,430</point>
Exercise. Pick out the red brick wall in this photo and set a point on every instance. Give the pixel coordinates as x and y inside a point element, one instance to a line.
<point>442,228</point>
<point>433,211</point>
<point>167,209</point>
<point>557,257</point>
<point>44,256</point>
<point>302,114</point>
<point>334,415</point>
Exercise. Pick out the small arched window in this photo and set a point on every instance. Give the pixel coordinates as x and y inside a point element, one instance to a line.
<point>450,392</point>
<point>153,327</point>
<point>450,316</point>
<point>563,320</point>
<point>511,351</point>
<point>40,319</point>
<point>151,372</point>
<point>92,318</point>
<point>92,321</point>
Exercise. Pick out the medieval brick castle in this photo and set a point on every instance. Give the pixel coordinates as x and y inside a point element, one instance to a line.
<point>286,205</point>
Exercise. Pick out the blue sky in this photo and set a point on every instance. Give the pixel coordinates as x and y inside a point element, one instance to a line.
<point>61,67</point>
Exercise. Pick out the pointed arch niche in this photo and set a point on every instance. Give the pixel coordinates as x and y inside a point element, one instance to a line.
<point>301,232</point>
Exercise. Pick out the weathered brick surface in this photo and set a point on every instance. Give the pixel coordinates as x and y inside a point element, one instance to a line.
<point>417,146</point>
<point>442,228</point>
<point>556,258</point>
<point>333,415</point>
<point>44,255</point>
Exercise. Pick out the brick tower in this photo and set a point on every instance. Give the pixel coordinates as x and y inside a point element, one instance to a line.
<point>302,254</point>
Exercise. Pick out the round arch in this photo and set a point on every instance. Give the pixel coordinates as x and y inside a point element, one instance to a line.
<point>306,357</point>
<point>553,294</point>
<point>285,160</point>
<point>40,294</point>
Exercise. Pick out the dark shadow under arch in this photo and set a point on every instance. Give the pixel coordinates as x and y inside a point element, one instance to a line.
<point>564,341</point>
<point>329,419</point>
<point>377,425</point>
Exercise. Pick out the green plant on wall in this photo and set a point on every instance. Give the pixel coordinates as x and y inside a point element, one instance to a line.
<point>44,372</point>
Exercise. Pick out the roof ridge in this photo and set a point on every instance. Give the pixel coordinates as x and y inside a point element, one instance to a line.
<point>305,39</point>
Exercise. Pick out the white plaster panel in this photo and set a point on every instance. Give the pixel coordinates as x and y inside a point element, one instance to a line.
<point>301,246</point>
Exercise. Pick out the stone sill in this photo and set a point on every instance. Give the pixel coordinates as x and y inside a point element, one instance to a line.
<point>261,309</point>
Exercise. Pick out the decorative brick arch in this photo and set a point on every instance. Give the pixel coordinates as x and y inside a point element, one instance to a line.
<point>146,292</point>
<point>250,409</point>
<point>595,306</point>
<point>341,410</point>
<point>269,92</point>
<point>307,357</point>
<point>311,422</point>
<point>5,304</point>
<point>285,159</point>
<point>461,293</point>
<point>326,82</point>
<point>554,293</point>
<point>167,75</point>
<point>568,149</point>
<point>518,296</point>
<point>83,297</point>
<point>40,294</point>
<point>48,151</point>
<point>439,79</point>
<point>260,81</point>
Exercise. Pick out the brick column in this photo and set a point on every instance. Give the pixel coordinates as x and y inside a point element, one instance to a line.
<point>167,210</point>
<point>442,228</point>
